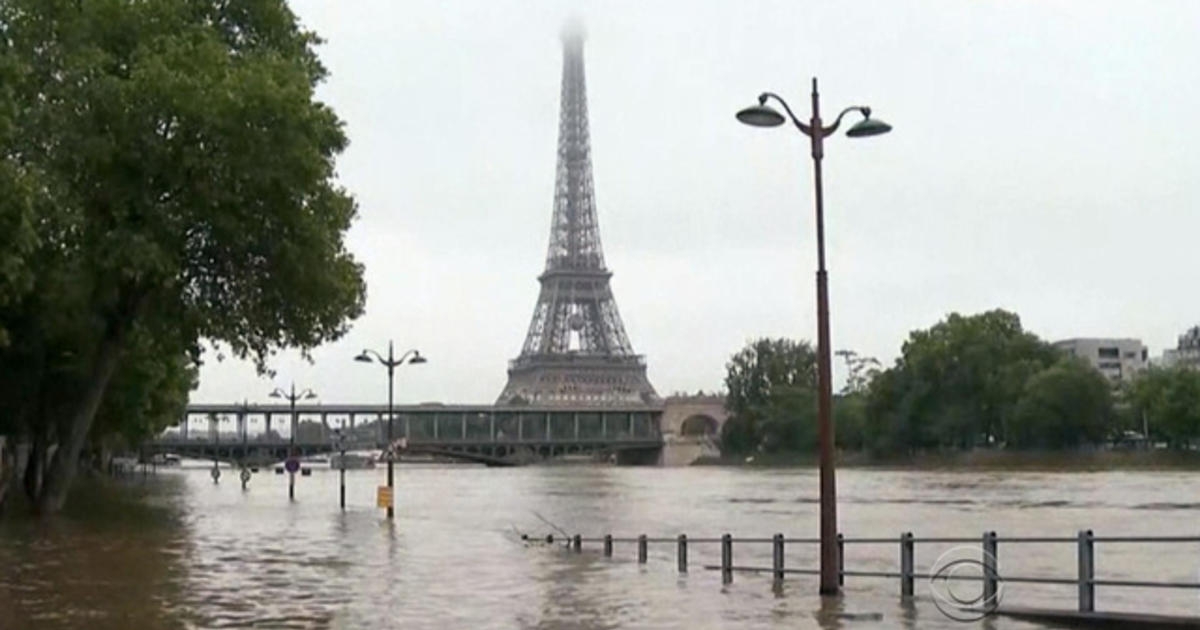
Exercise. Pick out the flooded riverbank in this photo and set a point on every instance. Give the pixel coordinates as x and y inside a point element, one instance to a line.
<point>176,550</point>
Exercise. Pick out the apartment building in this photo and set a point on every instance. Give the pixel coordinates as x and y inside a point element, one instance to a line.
<point>1118,359</point>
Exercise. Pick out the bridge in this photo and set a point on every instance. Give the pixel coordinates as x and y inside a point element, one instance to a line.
<point>250,434</point>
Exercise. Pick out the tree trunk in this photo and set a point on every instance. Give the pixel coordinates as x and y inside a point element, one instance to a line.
<point>34,466</point>
<point>61,471</point>
<point>10,467</point>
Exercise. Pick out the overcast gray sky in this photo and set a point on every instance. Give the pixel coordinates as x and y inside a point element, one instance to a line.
<point>1044,160</point>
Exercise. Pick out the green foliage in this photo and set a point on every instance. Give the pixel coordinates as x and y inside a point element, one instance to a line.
<point>850,407</point>
<point>860,371</point>
<point>1169,401</point>
<point>149,391</point>
<point>770,387</point>
<point>17,236</point>
<point>1065,405</point>
<point>198,178</point>
<point>850,421</point>
<point>956,385</point>
<point>169,177</point>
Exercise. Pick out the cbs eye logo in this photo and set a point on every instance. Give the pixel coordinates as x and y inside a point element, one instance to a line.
<point>958,580</point>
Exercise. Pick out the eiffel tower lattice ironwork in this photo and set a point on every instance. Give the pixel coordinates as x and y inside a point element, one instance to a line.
<point>576,350</point>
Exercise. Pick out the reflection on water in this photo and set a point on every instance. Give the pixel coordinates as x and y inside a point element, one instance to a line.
<point>177,551</point>
<point>113,560</point>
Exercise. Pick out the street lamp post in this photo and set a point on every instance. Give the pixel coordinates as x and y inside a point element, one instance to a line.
<point>762,115</point>
<point>292,398</point>
<point>340,439</point>
<point>391,362</point>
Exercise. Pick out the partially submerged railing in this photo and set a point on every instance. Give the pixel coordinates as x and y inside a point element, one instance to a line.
<point>1085,541</point>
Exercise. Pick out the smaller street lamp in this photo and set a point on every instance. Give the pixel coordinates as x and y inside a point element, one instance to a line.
<point>292,397</point>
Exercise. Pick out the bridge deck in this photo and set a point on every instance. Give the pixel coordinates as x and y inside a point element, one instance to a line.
<point>507,452</point>
<point>502,433</point>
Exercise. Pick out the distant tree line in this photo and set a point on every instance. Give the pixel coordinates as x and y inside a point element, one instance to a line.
<point>978,381</point>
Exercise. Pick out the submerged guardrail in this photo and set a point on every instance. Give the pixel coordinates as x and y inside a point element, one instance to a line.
<point>1085,579</point>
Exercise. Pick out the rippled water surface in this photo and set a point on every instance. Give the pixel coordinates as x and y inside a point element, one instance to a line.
<point>176,550</point>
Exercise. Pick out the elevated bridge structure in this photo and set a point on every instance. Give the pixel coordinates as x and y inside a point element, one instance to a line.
<point>263,434</point>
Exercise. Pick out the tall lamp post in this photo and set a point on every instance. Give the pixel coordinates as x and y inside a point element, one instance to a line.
<point>292,397</point>
<point>762,115</point>
<point>391,362</point>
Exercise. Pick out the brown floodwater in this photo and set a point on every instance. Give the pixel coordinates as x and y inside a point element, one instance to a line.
<point>175,550</point>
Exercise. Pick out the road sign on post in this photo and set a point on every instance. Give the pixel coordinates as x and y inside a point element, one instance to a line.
<point>292,465</point>
<point>383,497</point>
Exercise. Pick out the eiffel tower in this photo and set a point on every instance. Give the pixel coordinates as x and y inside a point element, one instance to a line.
<point>576,351</point>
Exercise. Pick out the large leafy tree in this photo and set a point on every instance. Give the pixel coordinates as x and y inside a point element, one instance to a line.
<point>183,190</point>
<point>1065,405</point>
<point>1168,400</point>
<point>955,384</point>
<point>770,387</point>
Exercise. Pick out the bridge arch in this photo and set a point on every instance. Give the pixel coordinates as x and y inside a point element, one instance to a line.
<point>699,424</point>
<point>694,416</point>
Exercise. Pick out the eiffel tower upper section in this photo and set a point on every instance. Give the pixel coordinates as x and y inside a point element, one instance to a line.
<point>576,351</point>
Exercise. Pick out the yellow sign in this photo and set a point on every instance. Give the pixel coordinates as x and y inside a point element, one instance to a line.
<point>383,497</point>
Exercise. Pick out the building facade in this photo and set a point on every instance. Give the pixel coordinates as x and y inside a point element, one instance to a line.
<point>1186,353</point>
<point>1117,359</point>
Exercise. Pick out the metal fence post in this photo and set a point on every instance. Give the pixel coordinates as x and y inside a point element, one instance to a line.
<point>906,564</point>
<point>1087,572</point>
<point>990,576</point>
<point>726,559</point>
<point>642,549</point>
<point>608,545</point>
<point>577,543</point>
<point>841,547</point>
<point>681,553</point>
<point>777,556</point>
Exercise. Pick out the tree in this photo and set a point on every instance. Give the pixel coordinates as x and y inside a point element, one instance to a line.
<point>770,388</point>
<point>849,421</point>
<point>149,391</point>
<point>1065,405</point>
<point>1168,399</point>
<point>185,191</point>
<point>850,406</point>
<point>956,384</point>
<point>860,371</point>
